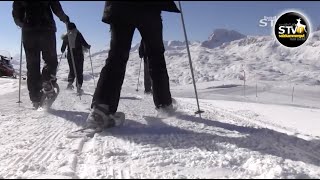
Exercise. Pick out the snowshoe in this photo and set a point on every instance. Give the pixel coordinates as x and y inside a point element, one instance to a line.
<point>101,117</point>
<point>109,121</point>
<point>80,91</point>
<point>70,86</point>
<point>36,105</point>
<point>83,132</point>
<point>148,92</point>
<point>165,111</point>
<point>50,93</point>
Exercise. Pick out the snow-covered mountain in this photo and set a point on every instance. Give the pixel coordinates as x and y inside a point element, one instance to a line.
<point>168,45</point>
<point>220,36</point>
<point>261,57</point>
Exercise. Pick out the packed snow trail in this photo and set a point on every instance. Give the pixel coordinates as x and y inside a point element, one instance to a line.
<point>224,143</point>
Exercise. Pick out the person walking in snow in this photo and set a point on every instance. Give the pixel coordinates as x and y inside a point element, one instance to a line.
<point>147,78</point>
<point>124,17</point>
<point>39,36</point>
<point>77,43</point>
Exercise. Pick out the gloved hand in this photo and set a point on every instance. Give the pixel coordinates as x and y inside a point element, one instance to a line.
<point>66,20</point>
<point>89,46</point>
<point>19,23</point>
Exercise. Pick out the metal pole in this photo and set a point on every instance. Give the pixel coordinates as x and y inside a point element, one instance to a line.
<point>19,101</point>
<point>292,93</point>
<point>190,63</point>
<point>94,81</point>
<point>244,83</point>
<point>256,90</point>
<point>139,76</point>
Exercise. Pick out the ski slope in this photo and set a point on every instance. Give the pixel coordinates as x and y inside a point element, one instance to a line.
<point>231,140</point>
<point>261,132</point>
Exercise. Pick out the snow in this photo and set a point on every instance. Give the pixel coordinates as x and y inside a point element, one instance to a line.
<point>261,132</point>
<point>8,85</point>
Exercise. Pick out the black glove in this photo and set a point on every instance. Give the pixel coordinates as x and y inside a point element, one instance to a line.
<point>66,20</point>
<point>89,46</point>
<point>19,23</point>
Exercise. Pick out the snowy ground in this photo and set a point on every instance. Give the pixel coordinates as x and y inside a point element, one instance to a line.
<point>259,133</point>
<point>233,139</point>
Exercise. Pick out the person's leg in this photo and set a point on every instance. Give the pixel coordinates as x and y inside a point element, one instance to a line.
<point>150,27</point>
<point>79,66</point>
<point>49,55</point>
<point>112,74</point>
<point>147,78</point>
<point>71,75</point>
<point>32,51</point>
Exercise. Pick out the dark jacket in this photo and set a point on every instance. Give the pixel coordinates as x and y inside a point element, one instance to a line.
<point>114,10</point>
<point>37,15</point>
<point>79,42</point>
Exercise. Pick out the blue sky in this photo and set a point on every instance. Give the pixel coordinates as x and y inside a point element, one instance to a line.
<point>201,18</point>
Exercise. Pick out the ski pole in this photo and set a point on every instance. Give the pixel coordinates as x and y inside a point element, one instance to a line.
<point>92,69</point>
<point>244,83</point>
<point>190,62</point>
<point>19,101</point>
<point>139,75</point>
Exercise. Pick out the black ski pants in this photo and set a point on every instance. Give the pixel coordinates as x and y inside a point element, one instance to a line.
<point>112,74</point>
<point>147,78</point>
<point>36,42</point>
<point>78,61</point>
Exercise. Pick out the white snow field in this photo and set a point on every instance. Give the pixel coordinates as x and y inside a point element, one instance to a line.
<point>262,132</point>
